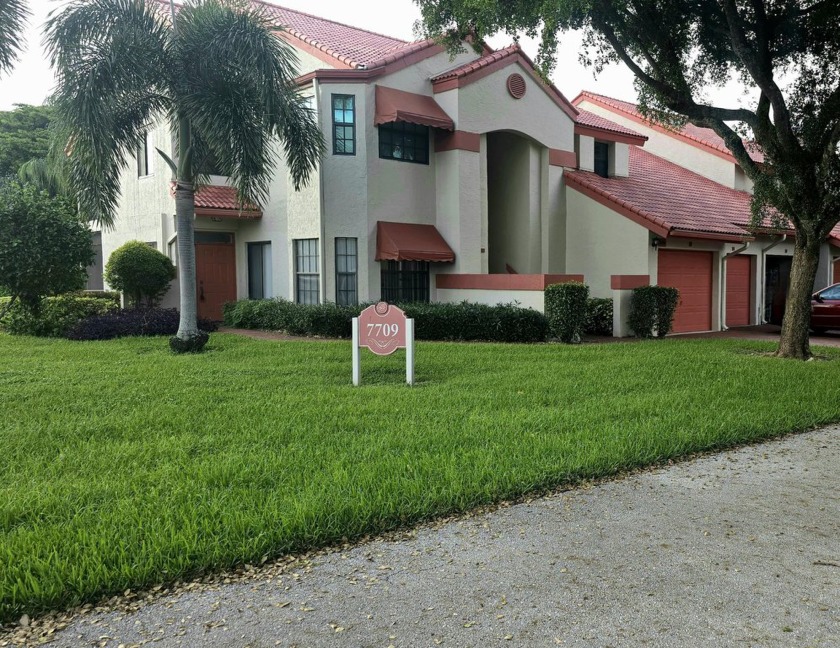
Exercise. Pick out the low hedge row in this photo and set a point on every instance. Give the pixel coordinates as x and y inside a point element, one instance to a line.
<point>133,322</point>
<point>463,322</point>
<point>55,315</point>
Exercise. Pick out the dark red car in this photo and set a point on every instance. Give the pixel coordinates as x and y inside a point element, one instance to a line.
<point>825,309</point>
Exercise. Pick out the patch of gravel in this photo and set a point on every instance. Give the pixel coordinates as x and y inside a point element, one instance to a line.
<point>740,548</point>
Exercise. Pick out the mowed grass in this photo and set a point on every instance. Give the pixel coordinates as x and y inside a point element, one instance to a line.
<point>123,465</point>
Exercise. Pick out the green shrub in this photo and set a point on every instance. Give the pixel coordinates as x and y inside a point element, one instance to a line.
<point>141,272</point>
<point>566,308</point>
<point>464,321</point>
<point>599,316</point>
<point>652,310</point>
<point>55,315</point>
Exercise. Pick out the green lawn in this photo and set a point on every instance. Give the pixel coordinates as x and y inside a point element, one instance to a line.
<point>123,465</point>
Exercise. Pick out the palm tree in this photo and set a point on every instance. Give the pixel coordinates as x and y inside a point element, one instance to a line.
<point>219,75</point>
<point>13,14</point>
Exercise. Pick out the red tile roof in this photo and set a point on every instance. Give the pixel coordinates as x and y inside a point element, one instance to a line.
<point>586,118</point>
<point>353,46</point>
<point>215,200</point>
<point>670,198</point>
<point>705,137</point>
<point>473,66</point>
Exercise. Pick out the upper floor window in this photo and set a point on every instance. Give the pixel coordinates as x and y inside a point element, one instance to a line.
<point>404,142</point>
<point>602,159</point>
<point>144,166</point>
<point>344,124</point>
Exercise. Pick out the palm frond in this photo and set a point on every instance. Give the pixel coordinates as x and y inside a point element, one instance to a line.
<point>111,59</point>
<point>13,15</point>
<point>237,89</point>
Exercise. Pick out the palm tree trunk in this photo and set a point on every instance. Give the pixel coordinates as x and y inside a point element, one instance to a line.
<point>794,341</point>
<point>184,218</point>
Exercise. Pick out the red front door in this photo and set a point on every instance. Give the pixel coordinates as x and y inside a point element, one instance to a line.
<point>215,275</point>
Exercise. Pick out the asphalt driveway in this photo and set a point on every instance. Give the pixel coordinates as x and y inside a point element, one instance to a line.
<point>736,549</point>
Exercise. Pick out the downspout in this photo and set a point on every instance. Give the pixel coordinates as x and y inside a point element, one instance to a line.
<point>323,228</point>
<point>722,282</point>
<point>764,252</point>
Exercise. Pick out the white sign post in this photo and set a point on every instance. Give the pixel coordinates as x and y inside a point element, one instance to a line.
<point>383,329</point>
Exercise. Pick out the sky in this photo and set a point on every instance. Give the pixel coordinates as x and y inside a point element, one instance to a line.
<point>32,81</point>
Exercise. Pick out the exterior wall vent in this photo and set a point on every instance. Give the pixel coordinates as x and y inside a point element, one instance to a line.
<point>516,86</point>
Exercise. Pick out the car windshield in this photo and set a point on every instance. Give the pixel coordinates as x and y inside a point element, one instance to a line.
<point>832,292</point>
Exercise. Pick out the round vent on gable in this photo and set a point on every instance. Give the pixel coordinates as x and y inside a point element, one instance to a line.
<point>516,86</point>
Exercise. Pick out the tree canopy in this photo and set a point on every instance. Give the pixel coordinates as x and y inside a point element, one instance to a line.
<point>24,135</point>
<point>786,53</point>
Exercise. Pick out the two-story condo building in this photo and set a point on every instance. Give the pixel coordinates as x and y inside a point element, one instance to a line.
<point>447,179</point>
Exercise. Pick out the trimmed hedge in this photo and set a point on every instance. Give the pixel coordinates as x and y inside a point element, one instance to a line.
<point>55,315</point>
<point>652,310</point>
<point>463,322</point>
<point>135,322</point>
<point>599,316</point>
<point>566,310</point>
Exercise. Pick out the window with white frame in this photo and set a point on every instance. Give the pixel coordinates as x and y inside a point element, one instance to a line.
<point>346,271</point>
<point>306,271</point>
<point>259,271</point>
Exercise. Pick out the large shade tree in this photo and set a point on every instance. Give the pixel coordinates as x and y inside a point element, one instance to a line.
<point>786,53</point>
<point>215,70</point>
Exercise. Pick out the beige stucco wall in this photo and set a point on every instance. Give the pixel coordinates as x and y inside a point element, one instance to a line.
<point>145,208</point>
<point>601,243</point>
<point>674,150</point>
<point>585,149</point>
<point>485,106</point>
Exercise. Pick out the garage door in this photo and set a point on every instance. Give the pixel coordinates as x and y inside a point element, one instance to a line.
<point>738,284</point>
<point>691,274</point>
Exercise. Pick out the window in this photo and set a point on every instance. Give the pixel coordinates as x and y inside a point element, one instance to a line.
<point>404,142</point>
<point>831,293</point>
<point>344,124</point>
<point>143,159</point>
<point>405,281</point>
<point>259,271</point>
<point>306,271</point>
<point>346,267</point>
<point>602,159</point>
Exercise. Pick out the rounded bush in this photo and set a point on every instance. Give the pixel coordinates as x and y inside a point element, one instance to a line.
<point>142,273</point>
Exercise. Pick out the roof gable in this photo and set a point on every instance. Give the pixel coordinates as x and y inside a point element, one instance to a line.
<point>493,61</point>
<point>704,138</point>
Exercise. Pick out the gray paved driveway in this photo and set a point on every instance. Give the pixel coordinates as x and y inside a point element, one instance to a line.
<point>737,549</point>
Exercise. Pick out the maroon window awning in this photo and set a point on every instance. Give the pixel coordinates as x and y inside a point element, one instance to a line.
<point>396,105</point>
<point>411,242</point>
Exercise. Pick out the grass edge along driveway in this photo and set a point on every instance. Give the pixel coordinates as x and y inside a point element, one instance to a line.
<point>125,466</point>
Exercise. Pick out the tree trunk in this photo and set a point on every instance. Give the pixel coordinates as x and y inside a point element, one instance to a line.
<point>185,218</point>
<point>794,340</point>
